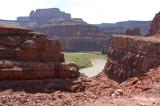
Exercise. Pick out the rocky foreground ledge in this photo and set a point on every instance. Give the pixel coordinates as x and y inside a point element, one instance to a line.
<point>26,56</point>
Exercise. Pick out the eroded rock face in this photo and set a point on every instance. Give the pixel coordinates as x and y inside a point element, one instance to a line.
<point>130,56</point>
<point>155,25</point>
<point>25,54</point>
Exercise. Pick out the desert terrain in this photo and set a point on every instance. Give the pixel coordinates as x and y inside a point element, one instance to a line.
<point>37,68</point>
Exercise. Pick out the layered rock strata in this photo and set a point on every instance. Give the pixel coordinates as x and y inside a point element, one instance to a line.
<point>130,56</point>
<point>78,44</point>
<point>26,55</point>
<point>75,30</point>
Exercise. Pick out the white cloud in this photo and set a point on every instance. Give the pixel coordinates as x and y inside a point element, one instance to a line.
<point>92,11</point>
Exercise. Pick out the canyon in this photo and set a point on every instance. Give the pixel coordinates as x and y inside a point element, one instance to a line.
<point>33,70</point>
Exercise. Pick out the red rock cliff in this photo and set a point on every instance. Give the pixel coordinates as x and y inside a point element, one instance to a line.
<point>25,54</point>
<point>155,25</point>
<point>130,56</point>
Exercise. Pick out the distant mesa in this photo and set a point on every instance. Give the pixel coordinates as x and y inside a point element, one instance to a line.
<point>119,27</point>
<point>42,16</point>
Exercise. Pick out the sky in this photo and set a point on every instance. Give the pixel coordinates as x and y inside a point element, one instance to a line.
<point>92,11</point>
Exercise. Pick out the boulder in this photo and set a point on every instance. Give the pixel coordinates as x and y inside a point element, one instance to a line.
<point>69,70</point>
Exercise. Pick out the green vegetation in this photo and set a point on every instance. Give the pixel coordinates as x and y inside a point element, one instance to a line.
<point>83,59</point>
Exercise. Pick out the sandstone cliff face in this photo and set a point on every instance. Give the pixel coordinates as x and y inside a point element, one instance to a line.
<point>155,25</point>
<point>75,35</point>
<point>25,54</point>
<point>130,56</point>
<point>72,31</point>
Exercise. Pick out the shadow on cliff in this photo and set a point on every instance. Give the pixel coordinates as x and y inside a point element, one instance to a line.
<point>43,86</point>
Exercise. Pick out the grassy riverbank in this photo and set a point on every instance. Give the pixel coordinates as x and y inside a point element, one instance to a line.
<point>83,59</point>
